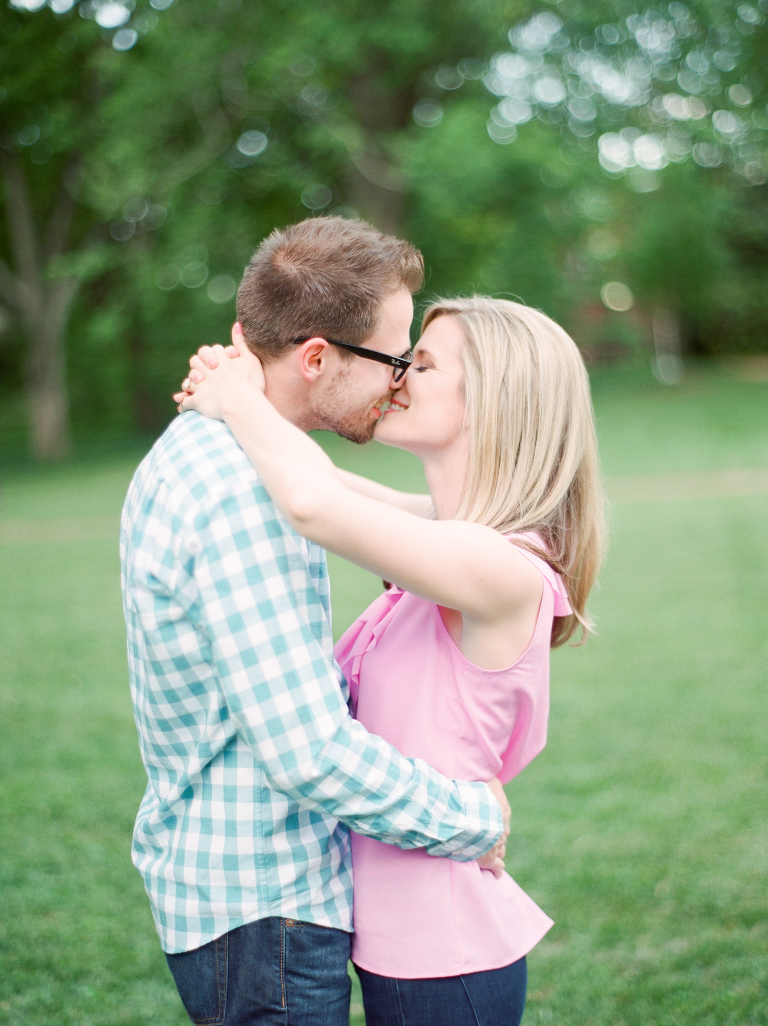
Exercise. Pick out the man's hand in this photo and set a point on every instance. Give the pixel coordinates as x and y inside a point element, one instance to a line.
<point>494,859</point>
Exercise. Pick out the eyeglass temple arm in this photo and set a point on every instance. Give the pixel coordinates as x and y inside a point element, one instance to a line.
<point>372,354</point>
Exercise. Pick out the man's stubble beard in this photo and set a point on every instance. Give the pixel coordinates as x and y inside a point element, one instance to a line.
<point>336,411</point>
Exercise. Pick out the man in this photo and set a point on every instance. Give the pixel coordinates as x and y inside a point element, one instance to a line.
<point>256,770</point>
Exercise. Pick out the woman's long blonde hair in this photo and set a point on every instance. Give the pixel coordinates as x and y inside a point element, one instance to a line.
<point>533,450</point>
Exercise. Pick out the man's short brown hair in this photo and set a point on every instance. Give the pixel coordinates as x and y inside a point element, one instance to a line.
<point>325,276</point>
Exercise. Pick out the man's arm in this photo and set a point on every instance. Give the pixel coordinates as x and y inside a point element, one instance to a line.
<point>259,609</point>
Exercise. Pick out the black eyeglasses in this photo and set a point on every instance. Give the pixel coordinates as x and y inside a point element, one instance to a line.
<point>399,364</point>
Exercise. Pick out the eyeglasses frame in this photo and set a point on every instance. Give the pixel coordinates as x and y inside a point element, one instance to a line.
<point>399,364</point>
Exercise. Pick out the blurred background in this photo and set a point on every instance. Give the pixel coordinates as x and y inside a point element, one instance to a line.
<point>606,162</point>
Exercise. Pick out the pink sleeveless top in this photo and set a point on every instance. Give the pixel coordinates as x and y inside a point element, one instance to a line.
<point>416,915</point>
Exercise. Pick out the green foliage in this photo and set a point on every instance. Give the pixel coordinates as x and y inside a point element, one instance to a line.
<point>217,124</point>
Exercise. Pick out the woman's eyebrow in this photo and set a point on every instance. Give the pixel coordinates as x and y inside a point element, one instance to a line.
<point>422,352</point>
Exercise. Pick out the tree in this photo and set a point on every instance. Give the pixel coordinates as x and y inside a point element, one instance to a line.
<point>45,234</point>
<point>541,150</point>
<point>116,111</point>
<point>632,148</point>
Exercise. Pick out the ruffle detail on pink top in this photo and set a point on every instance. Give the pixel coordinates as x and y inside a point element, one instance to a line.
<point>361,637</point>
<point>562,606</point>
<point>562,602</point>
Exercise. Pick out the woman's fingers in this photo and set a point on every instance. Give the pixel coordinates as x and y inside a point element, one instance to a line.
<point>207,355</point>
<point>198,366</point>
<point>206,358</point>
<point>238,339</point>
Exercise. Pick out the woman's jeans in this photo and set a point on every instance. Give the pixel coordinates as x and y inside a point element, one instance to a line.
<point>493,998</point>
<point>273,971</point>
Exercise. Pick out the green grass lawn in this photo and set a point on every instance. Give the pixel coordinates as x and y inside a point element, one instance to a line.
<point>641,829</point>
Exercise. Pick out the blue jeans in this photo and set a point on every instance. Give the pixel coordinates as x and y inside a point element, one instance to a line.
<point>493,998</point>
<point>274,971</point>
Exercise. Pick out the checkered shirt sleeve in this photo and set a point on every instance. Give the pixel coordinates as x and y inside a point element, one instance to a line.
<point>253,760</point>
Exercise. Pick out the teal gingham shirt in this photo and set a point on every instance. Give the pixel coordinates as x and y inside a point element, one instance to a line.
<point>256,769</point>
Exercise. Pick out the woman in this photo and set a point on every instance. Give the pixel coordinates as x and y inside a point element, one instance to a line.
<point>452,664</point>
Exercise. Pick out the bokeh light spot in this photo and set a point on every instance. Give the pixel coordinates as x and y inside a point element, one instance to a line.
<point>582,109</point>
<point>168,277</point>
<point>194,274</point>
<point>29,135</point>
<point>617,296</point>
<point>537,33</point>
<point>514,112</point>
<point>302,66</point>
<point>740,95</point>
<point>156,215</point>
<point>448,78</point>
<point>502,134</point>
<point>221,288</point>
<point>428,113</point>
<point>251,144</point>
<point>748,14</point>
<point>135,209</point>
<point>707,155</point>
<point>470,68</point>
<point>109,16</point>
<point>549,90</point>
<point>316,197</point>
<point>727,123</point>
<point>648,151</point>
<point>124,39</point>
<point>122,231</point>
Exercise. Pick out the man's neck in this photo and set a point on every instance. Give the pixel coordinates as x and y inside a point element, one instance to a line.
<point>288,395</point>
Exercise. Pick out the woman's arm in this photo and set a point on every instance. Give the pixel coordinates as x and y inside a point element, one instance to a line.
<point>454,563</point>
<point>412,502</point>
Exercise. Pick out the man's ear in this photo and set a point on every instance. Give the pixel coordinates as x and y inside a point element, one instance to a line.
<point>312,359</point>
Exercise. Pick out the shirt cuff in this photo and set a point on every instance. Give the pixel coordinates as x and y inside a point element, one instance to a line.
<point>483,823</point>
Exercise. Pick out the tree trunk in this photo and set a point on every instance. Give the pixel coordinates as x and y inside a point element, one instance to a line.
<point>376,191</point>
<point>42,306</point>
<point>377,186</point>
<point>147,416</point>
<point>45,372</point>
